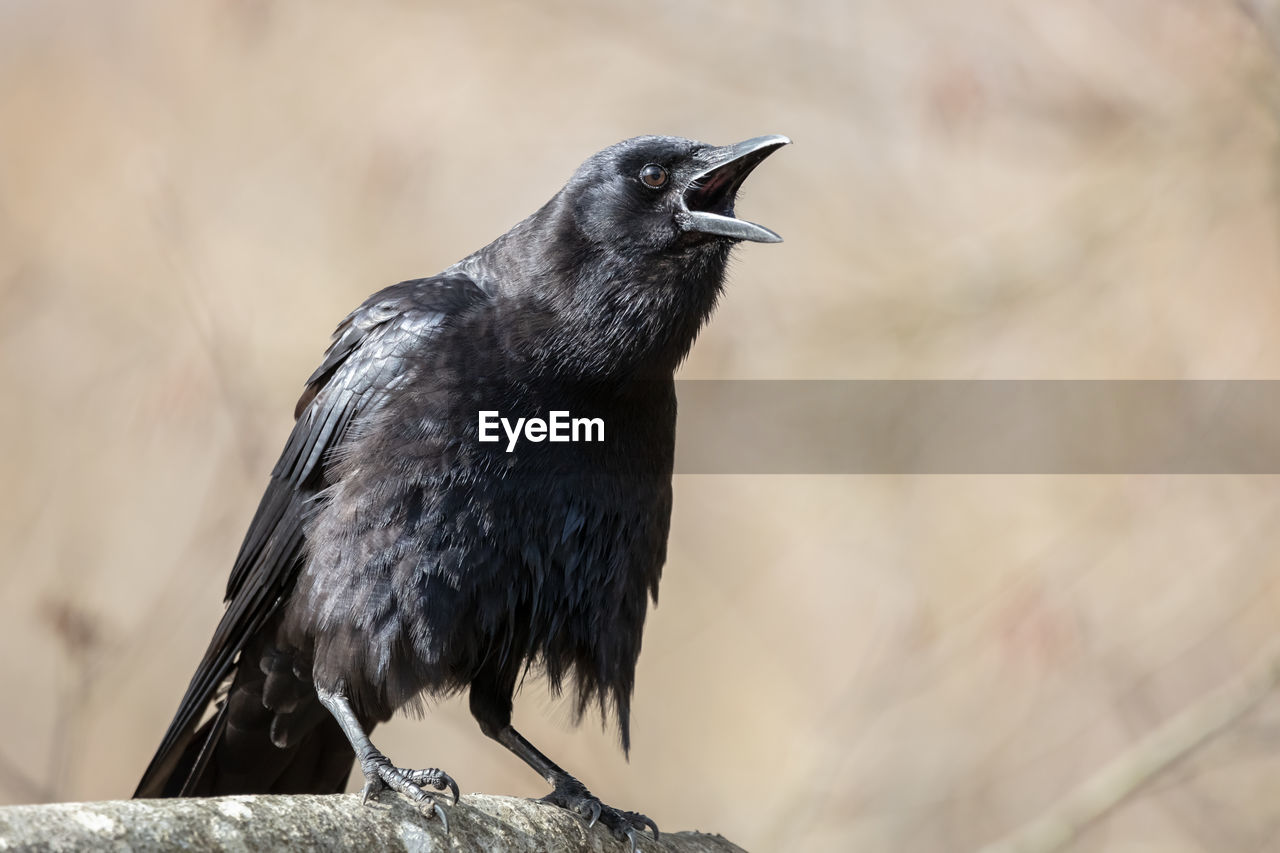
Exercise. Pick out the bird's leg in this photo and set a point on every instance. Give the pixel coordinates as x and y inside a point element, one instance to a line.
<point>379,772</point>
<point>568,793</point>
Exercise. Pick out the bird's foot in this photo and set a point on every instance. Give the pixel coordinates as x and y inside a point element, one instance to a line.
<point>380,774</point>
<point>573,796</point>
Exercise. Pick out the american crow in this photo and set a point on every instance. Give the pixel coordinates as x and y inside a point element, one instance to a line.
<point>396,553</point>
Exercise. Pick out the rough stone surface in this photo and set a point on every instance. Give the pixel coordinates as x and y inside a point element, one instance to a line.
<point>275,823</point>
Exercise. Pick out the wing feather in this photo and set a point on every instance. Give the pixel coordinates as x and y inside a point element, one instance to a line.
<point>364,362</point>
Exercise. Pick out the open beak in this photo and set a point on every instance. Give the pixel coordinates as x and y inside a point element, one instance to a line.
<point>708,202</point>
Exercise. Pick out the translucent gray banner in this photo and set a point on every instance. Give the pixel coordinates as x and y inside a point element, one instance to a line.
<point>978,427</point>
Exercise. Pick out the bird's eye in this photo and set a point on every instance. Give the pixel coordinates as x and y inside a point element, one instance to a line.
<point>653,176</point>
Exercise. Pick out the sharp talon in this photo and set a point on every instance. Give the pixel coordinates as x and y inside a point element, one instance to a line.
<point>366,793</point>
<point>444,821</point>
<point>573,797</point>
<point>437,779</point>
<point>453,788</point>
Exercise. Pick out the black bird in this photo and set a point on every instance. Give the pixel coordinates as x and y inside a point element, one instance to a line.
<point>395,554</point>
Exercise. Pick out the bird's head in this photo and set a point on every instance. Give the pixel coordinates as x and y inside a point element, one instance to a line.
<point>659,194</point>
<point>626,262</point>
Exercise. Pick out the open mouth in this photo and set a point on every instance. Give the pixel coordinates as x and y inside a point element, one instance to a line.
<point>710,197</point>
<point>715,191</point>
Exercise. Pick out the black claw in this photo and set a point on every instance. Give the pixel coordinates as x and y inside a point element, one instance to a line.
<point>437,779</point>
<point>453,788</point>
<point>623,824</point>
<point>444,821</point>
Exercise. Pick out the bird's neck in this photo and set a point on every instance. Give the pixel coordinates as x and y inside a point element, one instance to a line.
<point>582,313</point>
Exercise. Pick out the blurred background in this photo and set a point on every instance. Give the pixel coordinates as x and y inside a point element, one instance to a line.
<point>193,194</point>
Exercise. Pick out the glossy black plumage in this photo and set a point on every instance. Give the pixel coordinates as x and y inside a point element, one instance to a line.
<point>395,555</point>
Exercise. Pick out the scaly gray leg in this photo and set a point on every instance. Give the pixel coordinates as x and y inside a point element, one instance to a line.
<point>379,772</point>
<point>569,793</point>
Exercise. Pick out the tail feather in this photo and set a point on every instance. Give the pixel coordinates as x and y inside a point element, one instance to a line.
<point>249,748</point>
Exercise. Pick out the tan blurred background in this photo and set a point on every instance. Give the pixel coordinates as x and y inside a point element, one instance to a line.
<point>193,194</point>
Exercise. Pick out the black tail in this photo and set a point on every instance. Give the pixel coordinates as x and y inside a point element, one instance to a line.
<point>270,735</point>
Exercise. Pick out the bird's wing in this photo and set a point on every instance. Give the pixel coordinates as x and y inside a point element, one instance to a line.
<point>364,364</point>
